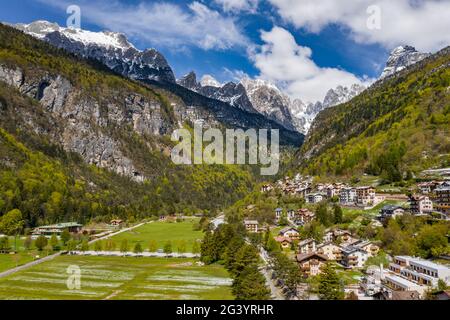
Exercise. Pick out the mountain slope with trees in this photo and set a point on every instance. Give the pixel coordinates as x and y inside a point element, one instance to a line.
<point>79,142</point>
<point>397,127</point>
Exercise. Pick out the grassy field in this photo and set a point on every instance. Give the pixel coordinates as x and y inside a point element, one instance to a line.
<point>8,261</point>
<point>119,278</point>
<point>161,232</point>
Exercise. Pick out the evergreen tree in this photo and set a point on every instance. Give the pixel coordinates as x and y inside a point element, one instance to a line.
<point>250,285</point>
<point>330,287</point>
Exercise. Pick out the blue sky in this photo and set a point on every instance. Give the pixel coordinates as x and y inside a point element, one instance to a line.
<point>304,46</point>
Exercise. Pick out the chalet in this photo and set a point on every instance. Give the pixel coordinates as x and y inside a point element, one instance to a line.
<point>391,211</point>
<point>251,226</point>
<point>427,187</point>
<point>347,196</point>
<point>420,204</point>
<point>291,214</point>
<point>116,222</point>
<point>353,257</point>
<point>311,263</point>
<point>289,232</point>
<point>285,242</point>
<point>368,246</point>
<point>72,227</point>
<point>330,250</point>
<point>305,216</point>
<point>365,196</point>
<point>307,246</point>
<point>314,197</point>
<point>344,237</point>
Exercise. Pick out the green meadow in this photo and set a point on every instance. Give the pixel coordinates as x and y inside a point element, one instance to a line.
<point>121,278</point>
<point>161,233</point>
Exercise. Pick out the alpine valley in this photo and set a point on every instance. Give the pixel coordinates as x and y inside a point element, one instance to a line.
<point>358,210</point>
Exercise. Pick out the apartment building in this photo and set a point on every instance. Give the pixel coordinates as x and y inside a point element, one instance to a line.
<point>353,257</point>
<point>347,196</point>
<point>420,204</point>
<point>365,196</point>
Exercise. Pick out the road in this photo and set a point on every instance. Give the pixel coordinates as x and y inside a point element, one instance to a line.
<point>30,264</point>
<point>266,271</point>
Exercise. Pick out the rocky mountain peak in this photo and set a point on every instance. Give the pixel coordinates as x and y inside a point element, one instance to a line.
<point>209,81</point>
<point>111,48</point>
<point>189,81</point>
<point>400,58</point>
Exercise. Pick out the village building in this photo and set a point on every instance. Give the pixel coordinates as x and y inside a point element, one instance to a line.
<point>347,195</point>
<point>420,271</point>
<point>420,204</point>
<point>305,216</point>
<point>266,188</point>
<point>307,246</point>
<point>353,257</point>
<point>443,198</point>
<point>57,229</point>
<point>290,232</point>
<point>365,196</point>
<point>390,211</point>
<point>368,246</point>
<point>278,213</point>
<point>251,226</point>
<point>291,214</point>
<point>314,197</point>
<point>330,250</point>
<point>344,237</point>
<point>285,242</point>
<point>116,222</point>
<point>311,263</point>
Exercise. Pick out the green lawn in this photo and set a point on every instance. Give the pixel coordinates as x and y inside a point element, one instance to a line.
<point>119,278</point>
<point>8,261</point>
<point>161,232</point>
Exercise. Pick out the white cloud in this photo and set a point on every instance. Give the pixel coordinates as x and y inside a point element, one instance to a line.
<point>424,24</point>
<point>238,5</point>
<point>164,24</point>
<point>282,61</point>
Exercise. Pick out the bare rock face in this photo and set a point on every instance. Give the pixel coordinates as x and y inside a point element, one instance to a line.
<point>81,122</point>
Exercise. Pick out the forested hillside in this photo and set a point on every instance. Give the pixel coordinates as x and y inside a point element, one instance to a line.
<point>78,142</point>
<point>396,128</point>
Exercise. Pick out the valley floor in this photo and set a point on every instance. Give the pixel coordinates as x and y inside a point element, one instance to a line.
<point>119,278</point>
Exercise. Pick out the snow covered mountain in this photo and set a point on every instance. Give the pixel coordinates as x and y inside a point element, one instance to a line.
<point>112,49</point>
<point>400,58</point>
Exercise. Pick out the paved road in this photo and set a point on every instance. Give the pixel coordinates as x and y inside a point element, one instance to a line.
<point>29,264</point>
<point>267,272</point>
